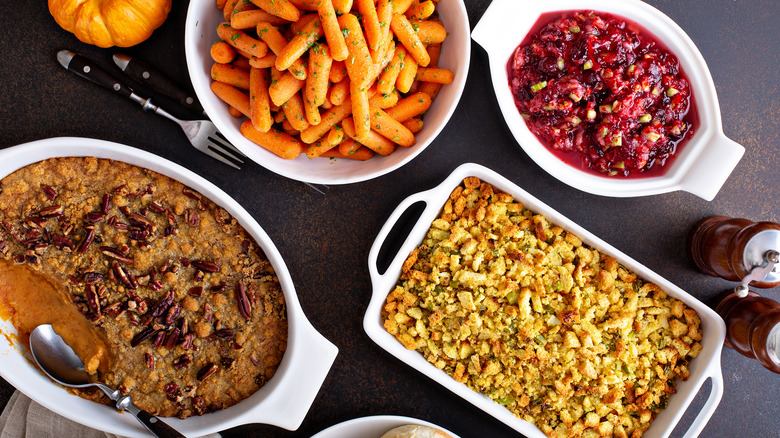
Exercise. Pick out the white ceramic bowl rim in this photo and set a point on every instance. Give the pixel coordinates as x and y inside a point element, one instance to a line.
<point>705,366</point>
<point>200,33</point>
<point>283,401</point>
<point>703,164</point>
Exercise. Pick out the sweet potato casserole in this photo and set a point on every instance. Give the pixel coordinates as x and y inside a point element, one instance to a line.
<point>189,308</point>
<point>522,311</point>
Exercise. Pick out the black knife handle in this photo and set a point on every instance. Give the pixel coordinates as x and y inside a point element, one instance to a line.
<point>147,75</point>
<point>93,72</point>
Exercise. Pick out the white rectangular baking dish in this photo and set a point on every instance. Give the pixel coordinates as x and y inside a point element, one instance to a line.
<point>706,365</point>
<point>283,401</point>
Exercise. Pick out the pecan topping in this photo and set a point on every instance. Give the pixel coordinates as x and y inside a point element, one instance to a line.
<point>163,304</point>
<point>149,359</point>
<point>142,221</point>
<point>35,222</point>
<point>159,339</point>
<point>124,275</point>
<point>172,339</point>
<point>192,217</point>
<point>182,361</point>
<point>116,254</point>
<point>206,266</point>
<point>86,241</point>
<point>244,307</point>
<point>63,242</point>
<point>224,333</point>
<point>156,207</point>
<point>113,308</point>
<point>50,193</point>
<point>142,336</point>
<point>207,371</point>
<point>105,203</point>
<point>173,313</point>
<point>92,300</point>
<point>186,342</point>
<point>51,211</point>
<point>191,193</point>
<point>196,291</point>
<point>227,362</point>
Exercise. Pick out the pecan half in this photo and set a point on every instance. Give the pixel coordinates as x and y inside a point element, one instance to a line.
<point>207,371</point>
<point>182,361</point>
<point>92,300</point>
<point>172,339</point>
<point>141,221</point>
<point>116,254</point>
<point>51,211</point>
<point>124,275</point>
<point>191,193</point>
<point>163,304</point>
<point>142,336</point>
<point>244,307</point>
<point>63,243</point>
<point>50,193</point>
<point>196,291</point>
<point>94,217</point>
<point>149,359</point>
<point>86,240</point>
<point>206,266</point>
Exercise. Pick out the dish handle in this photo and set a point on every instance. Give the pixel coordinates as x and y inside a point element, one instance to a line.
<point>373,254</point>
<point>712,167</point>
<point>716,392</point>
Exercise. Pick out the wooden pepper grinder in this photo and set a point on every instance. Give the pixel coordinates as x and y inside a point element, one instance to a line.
<point>737,250</point>
<point>753,327</point>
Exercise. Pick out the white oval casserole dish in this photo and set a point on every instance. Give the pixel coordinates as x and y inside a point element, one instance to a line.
<point>283,401</point>
<point>706,365</point>
<point>705,161</point>
<point>200,33</point>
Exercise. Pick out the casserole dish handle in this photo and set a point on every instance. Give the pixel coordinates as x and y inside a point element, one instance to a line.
<point>716,392</point>
<point>712,167</point>
<point>381,237</point>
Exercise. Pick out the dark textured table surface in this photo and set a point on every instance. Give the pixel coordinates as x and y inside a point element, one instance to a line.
<point>325,239</point>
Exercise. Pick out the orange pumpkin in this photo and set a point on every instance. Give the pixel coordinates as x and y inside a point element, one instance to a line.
<point>107,23</point>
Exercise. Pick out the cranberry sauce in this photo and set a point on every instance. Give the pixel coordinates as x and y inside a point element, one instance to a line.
<point>601,93</point>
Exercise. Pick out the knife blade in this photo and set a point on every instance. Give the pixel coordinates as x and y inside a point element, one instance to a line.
<point>153,78</point>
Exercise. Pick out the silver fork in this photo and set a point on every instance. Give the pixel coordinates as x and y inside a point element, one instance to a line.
<point>203,134</point>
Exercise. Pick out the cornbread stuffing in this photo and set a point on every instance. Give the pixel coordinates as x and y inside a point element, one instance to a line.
<point>522,311</point>
<point>188,305</point>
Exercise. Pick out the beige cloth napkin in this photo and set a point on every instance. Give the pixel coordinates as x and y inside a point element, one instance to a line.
<point>24,418</point>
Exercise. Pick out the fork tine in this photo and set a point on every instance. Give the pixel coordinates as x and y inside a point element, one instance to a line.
<point>228,144</point>
<point>213,154</point>
<point>221,149</point>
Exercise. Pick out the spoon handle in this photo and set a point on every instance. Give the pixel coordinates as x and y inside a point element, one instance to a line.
<point>155,425</point>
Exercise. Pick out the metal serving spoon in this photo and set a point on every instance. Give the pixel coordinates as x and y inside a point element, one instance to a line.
<point>61,363</point>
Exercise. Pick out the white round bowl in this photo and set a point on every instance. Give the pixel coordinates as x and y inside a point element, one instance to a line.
<point>283,401</point>
<point>200,33</point>
<point>705,161</point>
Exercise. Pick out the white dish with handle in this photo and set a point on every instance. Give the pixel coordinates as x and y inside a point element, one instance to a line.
<point>200,33</point>
<point>705,366</point>
<point>283,401</point>
<point>705,161</point>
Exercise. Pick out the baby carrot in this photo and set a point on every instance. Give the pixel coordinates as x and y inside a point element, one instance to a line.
<point>227,8</point>
<point>249,19</point>
<point>431,32</point>
<point>372,140</point>
<point>222,52</point>
<point>294,112</point>
<point>362,154</point>
<point>342,6</point>
<point>277,42</point>
<point>401,6</point>
<point>309,5</point>
<point>230,75</point>
<point>339,92</point>
<point>338,71</point>
<point>388,77</point>
<point>242,41</point>
<point>332,30</point>
<point>266,61</point>
<point>360,66</point>
<point>336,135</point>
<point>234,112</point>
<point>420,10</point>
<point>330,118</point>
<point>259,101</point>
<point>360,108</point>
<point>348,146</point>
<point>276,142</point>
<point>407,74</point>
<point>232,96</point>
<point>312,112</point>
<point>318,148</point>
<point>435,75</point>
<point>384,100</point>
<point>406,34</point>
<point>370,21</point>
<point>284,87</point>
<point>299,44</point>
<point>280,8</point>
<point>320,63</point>
<point>409,107</point>
<point>390,128</point>
<point>414,125</point>
<point>296,27</point>
<point>221,4</point>
<point>242,63</point>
